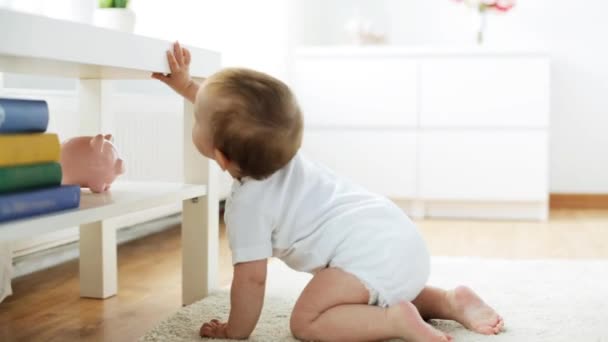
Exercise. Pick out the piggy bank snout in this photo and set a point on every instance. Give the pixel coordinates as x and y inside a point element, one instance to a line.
<point>119,167</point>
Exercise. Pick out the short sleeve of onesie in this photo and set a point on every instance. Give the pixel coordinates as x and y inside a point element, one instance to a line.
<point>249,231</point>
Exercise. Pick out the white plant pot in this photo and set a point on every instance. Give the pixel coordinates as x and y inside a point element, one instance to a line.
<point>121,19</point>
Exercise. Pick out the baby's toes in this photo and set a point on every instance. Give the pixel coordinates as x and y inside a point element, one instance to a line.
<point>484,329</point>
<point>497,321</point>
<point>499,326</point>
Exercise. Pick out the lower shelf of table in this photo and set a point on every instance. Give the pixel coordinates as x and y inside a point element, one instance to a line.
<point>124,198</point>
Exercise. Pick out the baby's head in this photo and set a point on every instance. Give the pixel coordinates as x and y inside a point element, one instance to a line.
<point>249,122</point>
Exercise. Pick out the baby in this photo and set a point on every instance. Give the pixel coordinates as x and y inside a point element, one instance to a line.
<point>369,263</point>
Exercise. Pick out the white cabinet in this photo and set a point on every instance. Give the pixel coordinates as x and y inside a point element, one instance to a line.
<point>361,156</point>
<point>484,92</point>
<point>483,165</point>
<point>456,133</point>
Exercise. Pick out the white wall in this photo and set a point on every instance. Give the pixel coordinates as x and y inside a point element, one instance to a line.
<point>572,32</point>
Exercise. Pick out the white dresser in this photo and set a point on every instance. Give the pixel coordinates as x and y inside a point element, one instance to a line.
<point>445,133</point>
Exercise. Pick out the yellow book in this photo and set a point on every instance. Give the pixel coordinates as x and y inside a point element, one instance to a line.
<point>20,149</point>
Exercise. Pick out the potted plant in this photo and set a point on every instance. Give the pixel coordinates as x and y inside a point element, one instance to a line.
<point>115,15</point>
<point>483,7</point>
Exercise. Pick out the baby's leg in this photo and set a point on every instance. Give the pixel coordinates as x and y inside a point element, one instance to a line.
<point>333,307</point>
<point>460,304</point>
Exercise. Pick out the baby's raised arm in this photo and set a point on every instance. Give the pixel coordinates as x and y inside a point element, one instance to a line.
<point>246,300</point>
<point>179,79</point>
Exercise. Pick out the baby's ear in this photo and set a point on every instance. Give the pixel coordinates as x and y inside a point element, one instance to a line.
<point>221,159</point>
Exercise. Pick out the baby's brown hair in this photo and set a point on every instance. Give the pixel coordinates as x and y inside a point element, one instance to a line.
<point>260,128</point>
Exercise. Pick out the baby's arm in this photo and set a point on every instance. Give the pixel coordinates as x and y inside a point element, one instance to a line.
<point>179,79</point>
<point>246,300</point>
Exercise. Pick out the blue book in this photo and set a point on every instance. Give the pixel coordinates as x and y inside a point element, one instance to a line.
<point>23,116</point>
<point>31,203</point>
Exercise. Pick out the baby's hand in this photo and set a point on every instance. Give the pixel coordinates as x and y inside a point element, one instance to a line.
<point>214,329</point>
<point>179,63</point>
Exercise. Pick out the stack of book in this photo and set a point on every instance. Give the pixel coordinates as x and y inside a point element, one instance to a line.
<point>30,174</point>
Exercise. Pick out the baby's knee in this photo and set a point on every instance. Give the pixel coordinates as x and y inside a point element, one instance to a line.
<point>301,326</point>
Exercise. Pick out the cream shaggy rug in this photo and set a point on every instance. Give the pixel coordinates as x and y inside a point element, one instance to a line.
<point>540,300</point>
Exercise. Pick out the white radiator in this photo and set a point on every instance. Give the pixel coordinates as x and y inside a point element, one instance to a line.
<point>148,132</point>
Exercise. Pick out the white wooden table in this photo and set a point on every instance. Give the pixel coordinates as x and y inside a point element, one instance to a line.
<point>39,45</point>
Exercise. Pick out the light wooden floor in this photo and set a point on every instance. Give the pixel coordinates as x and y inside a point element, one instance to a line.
<point>46,306</point>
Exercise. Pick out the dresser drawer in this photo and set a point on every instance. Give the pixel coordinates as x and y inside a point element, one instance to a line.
<point>484,92</point>
<point>484,165</point>
<point>357,91</point>
<point>381,161</point>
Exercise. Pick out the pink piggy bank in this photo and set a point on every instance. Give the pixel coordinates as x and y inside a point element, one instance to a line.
<point>91,162</point>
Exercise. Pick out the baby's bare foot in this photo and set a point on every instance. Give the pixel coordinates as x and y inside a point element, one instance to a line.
<point>412,328</point>
<point>472,312</point>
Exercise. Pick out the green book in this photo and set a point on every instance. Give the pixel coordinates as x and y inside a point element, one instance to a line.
<point>31,176</point>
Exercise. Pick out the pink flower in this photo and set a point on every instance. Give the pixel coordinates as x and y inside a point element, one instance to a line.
<point>483,5</point>
<point>504,5</point>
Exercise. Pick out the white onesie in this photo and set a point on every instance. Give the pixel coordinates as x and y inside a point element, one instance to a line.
<point>309,218</point>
